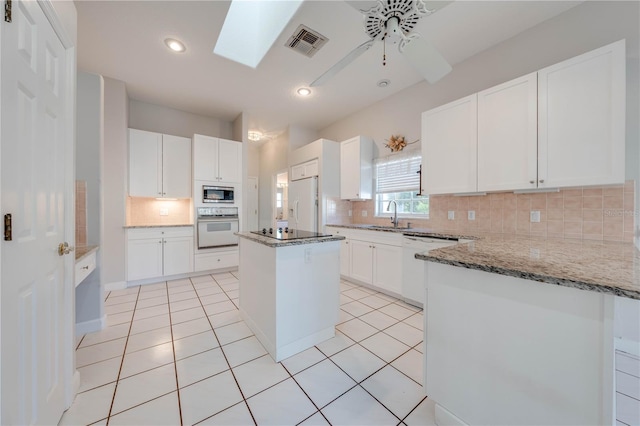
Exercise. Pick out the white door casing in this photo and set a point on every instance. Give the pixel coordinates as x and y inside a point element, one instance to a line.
<point>37,69</point>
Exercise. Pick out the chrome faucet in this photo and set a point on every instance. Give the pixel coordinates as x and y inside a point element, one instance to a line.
<point>394,219</point>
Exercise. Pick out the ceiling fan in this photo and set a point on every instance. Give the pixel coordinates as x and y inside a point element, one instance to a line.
<point>393,21</point>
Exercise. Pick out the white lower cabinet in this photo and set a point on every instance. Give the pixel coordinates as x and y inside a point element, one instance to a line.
<point>362,261</point>
<point>371,257</point>
<point>216,260</point>
<point>345,257</point>
<point>158,252</point>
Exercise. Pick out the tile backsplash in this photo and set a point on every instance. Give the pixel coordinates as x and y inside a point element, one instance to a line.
<point>147,211</point>
<point>594,213</point>
<point>81,213</point>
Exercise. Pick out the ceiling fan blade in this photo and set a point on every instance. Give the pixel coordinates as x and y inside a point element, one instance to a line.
<point>342,63</point>
<point>361,5</point>
<point>426,59</point>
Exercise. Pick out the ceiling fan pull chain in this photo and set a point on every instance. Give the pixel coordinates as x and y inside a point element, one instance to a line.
<point>384,52</point>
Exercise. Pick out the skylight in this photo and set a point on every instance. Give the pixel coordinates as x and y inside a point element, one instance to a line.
<point>251,27</point>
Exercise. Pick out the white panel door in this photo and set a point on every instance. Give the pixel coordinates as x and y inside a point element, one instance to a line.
<point>581,119</point>
<point>361,261</point>
<point>145,164</point>
<point>35,141</point>
<point>229,161</point>
<point>508,135</point>
<point>449,147</point>
<point>178,255</point>
<point>205,158</point>
<point>176,167</point>
<point>387,267</point>
<point>252,204</point>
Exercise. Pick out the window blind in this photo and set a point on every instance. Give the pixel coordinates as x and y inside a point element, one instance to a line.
<point>398,174</point>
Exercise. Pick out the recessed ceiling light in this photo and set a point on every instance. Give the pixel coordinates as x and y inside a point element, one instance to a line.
<point>303,91</point>
<point>175,45</point>
<point>384,83</point>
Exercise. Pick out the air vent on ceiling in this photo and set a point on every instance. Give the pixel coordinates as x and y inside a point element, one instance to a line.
<point>306,41</point>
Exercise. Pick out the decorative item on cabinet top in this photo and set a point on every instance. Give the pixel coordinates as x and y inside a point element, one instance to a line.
<point>398,143</point>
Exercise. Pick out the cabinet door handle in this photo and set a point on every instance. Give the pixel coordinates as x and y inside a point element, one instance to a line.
<point>532,181</point>
<point>85,267</point>
<point>541,181</point>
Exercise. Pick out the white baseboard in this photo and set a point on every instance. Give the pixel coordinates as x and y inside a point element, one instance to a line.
<point>91,326</point>
<point>116,285</point>
<point>446,417</point>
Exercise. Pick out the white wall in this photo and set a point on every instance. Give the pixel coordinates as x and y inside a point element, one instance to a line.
<point>160,119</point>
<point>114,181</point>
<point>300,136</point>
<point>273,160</point>
<point>89,141</point>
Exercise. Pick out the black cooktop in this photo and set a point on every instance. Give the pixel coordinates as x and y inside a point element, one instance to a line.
<point>288,234</point>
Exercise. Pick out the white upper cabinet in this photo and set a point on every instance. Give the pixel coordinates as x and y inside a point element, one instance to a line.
<point>159,165</point>
<point>507,135</point>
<point>449,147</point>
<point>217,160</point>
<point>304,170</point>
<point>581,119</point>
<point>562,126</point>
<point>176,166</point>
<point>356,169</point>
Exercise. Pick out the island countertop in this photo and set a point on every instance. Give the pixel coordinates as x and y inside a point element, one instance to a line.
<point>605,267</point>
<point>272,242</point>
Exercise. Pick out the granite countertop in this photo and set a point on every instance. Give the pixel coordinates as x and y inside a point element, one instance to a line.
<point>272,242</point>
<point>411,232</point>
<point>159,226</point>
<point>84,251</point>
<point>605,267</point>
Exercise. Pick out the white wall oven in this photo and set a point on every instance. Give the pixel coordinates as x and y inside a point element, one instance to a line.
<point>218,194</point>
<point>216,227</point>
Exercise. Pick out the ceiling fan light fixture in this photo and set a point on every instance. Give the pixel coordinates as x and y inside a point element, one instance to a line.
<point>384,83</point>
<point>304,91</point>
<point>175,45</point>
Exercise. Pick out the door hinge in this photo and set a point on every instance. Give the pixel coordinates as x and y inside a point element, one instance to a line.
<point>7,10</point>
<point>8,233</point>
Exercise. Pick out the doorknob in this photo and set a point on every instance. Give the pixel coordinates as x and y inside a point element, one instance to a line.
<point>64,248</point>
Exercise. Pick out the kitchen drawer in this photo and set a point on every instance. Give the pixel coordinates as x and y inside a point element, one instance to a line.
<point>160,232</point>
<point>217,260</point>
<point>84,267</point>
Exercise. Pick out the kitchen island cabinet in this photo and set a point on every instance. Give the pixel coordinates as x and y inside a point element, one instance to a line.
<point>289,291</point>
<point>521,330</point>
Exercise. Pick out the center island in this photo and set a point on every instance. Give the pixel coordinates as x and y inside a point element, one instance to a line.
<point>289,289</point>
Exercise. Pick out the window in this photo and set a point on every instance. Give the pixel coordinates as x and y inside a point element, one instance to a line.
<point>397,179</point>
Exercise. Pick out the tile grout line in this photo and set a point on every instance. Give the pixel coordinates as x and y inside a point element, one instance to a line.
<point>224,354</point>
<point>124,351</point>
<point>173,350</point>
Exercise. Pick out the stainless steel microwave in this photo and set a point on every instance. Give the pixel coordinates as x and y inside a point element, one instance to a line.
<point>217,194</point>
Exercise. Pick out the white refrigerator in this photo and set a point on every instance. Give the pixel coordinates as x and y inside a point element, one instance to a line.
<point>303,204</point>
